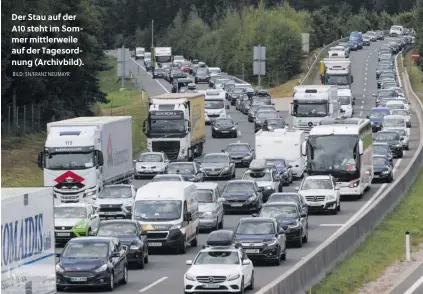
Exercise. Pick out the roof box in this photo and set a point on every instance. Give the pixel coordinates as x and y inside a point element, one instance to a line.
<point>220,238</point>
<point>258,164</point>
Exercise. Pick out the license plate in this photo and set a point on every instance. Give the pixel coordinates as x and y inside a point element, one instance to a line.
<point>211,286</point>
<point>225,132</point>
<point>237,160</point>
<point>153,244</point>
<point>63,234</point>
<point>236,205</point>
<point>315,204</point>
<point>79,279</point>
<point>148,171</point>
<point>109,213</point>
<point>252,250</point>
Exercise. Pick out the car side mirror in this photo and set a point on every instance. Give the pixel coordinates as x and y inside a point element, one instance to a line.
<point>304,148</point>
<point>167,161</point>
<point>227,106</point>
<point>125,247</point>
<point>360,147</point>
<point>100,158</point>
<point>368,117</point>
<point>94,197</point>
<point>58,255</point>
<point>134,161</point>
<point>41,159</point>
<point>116,254</point>
<point>188,217</point>
<point>297,188</point>
<point>337,187</point>
<point>246,262</point>
<point>255,215</point>
<point>188,262</point>
<point>303,215</point>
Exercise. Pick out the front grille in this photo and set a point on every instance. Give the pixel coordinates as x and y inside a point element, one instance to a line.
<point>211,279</point>
<point>74,185</point>
<point>213,115</point>
<point>377,173</point>
<point>315,198</point>
<point>62,228</point>
<point>157,235</point>
<point>236,200</point>
<point>237,157</point>
<point>285,228</point>
<point>212,170</point>
<point>79,274</point>
<point>110,209</point>
<point>170,148</point>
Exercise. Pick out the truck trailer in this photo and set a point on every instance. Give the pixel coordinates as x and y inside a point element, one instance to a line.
<point>336,71</point>
<point>176,125</point>
<point>28,262</point>
<point>83,154</point>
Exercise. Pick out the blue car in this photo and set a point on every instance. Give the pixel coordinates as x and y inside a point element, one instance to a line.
<point>376,117</point>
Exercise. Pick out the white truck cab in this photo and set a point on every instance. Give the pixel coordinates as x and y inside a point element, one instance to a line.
<point>169,214</point>
<point>214,104</point>
<point>346,102</point>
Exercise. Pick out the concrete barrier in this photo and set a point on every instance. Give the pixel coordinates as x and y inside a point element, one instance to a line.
<point>316,265</point>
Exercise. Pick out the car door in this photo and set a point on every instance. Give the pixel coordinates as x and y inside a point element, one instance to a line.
<point>276,179</point>
<point>281,237</point>
<point>219,205</point>
<point>93,218</point>
<point>247,270</point>
<point>257,192</point>
<point>120,264</point>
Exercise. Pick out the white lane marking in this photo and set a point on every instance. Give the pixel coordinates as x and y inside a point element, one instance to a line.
<point>361,113</point>
<point>362,107</point>
<point>372,199</point>
<point>364,89</point>
<point>362,101</point>
<point>414,286</point>
<point>364,95</point>
<point>331,225</point>
<point>365,78</point>
<point>158,82</point>
<point>153,284</point>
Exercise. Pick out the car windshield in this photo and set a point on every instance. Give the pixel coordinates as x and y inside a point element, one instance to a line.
<point>202,70</point>
<point>238,91</point>
<point>216,158</point>
<point>157,210</point>
<point>393,122</point>
<point>116,192</point>
<point>386,136</point>
<point>149,157</point>
<point>86,250</point>
<point>182,168</point>
<point>238,148</point>
<point>204,196</point>
<point>266,107</point>
<point>277,162</point>
<point>393,106</point>
<point>276,122</point>
<point>239,187</point>
<point>258,175</point>
<point>162,178</point>
<point>217,257</point>
<point>387,93</point>
<point>401,132</point>
<point>314,184</point>
<point>224,122</point>
<point>378,114</point>
<point>279,211</point>
<point>282,198</point>
<point>379,161</point>
<point>214,104</point>
<point>267,114</point>
<point>345,100</point>
<point>379,149</point>
<point>255,228</point>
<point>70,212</point>
<point>117,229</point>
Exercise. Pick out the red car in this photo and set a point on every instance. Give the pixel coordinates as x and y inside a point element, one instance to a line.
<point>185,67</point>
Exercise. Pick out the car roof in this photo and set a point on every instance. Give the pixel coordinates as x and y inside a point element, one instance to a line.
<point>118,185</point>
<point>120,221</point>
<point>92,239</point>
<point>206,185</point>
<point>240,181</point>
<point>217,153</point>
<point>290,203</point>
<point>256,219</point>
<point>181,162</point>
<point>239,143</point>
<point>321,177</point>
<point>380,143</point>
<point>152,153</point>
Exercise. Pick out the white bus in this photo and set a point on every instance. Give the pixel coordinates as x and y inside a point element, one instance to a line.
<point>342,148</point>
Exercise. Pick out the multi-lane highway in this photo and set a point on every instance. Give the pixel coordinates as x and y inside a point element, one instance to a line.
<point>165,272</point>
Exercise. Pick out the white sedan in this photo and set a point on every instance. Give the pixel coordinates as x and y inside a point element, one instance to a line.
<point>404,113</point>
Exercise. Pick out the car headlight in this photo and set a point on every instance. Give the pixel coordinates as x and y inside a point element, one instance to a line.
<point>233,128</point>
<point>330,197</point>
<point>272,242</point>
<point>207,214</point>
<point>248,157</point>
<point>101,268</point>
<point>252,198</point>
<point>189,277</point>
<point>297,225</point>
<point>134,247</point>
<point>175,227</point>
<point>59,269</point>
<point>269,187</point>
<point>398,145</point>
<point>225,169</point>
<point>91,193</point>
<point>233,277</point>
<point>386,172</point>
<point>216,129</point>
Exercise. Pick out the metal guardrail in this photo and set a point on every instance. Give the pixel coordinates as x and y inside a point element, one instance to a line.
<point>314,267</point>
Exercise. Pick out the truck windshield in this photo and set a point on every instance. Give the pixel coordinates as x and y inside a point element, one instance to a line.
<point>345,100</point>
<point>164,59</point>
<point>214,104</point>
<point>318,109</point>
<point>158,210</point>
<point>165,125</point>
<point>69,161</point>
<point>337,80</point>
<point>333,154</point>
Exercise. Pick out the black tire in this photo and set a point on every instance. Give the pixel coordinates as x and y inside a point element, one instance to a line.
<point>280,188</point>
<point>242,290</point>
<point>194,242</point>
<point>401,155</point>
<point>305,238</point>
<point>125,275</point>
<point>221,223</point>
<point>146,257</point>
<point>251,286</point>
<point>300,241</point>
<point>213,135</point>
<point>283,255</point>
<point>182,248</point>
<point>60,288</point>
<point>390,179</point>
<point>111,285</point>
<point>141,263</point>
<point>217,225</point>
<point>277,261</point>
<point>339,207</point>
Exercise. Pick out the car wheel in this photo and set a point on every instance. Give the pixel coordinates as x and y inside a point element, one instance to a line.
<point>146,256</point>
<point>213,135</point>
<point>125,275</point>
<point>339,207</point>
<point>277,261</point>
<point>407,147</point>
<point>305,238</point>
<point>251,286</point>
<point>221,222</point>
<point>390,179</point>
<point>111,285</point>
<point>235,135</point>
<point>401,155</point>
<point>283,255</point>
<point>60,288</point>
<point>141,262</point>
<point>280,189</point>
<point>242,288</point>
<point>300,241</point>
<point>182,248</point>
<point>194,242</point>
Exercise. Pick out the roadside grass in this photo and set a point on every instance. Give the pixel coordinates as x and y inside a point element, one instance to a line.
<point>384,246</point>
<point>416,75</point>
<point>19,154</point>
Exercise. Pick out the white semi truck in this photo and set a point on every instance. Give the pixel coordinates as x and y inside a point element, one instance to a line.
<point>139,53</point>
<point>282,144</point>
<point>83,154</point>
<point>28,262</point>
<point>313,103</point>
<point>176,125</point>
<point>162,55</point>
<point>337,71</point>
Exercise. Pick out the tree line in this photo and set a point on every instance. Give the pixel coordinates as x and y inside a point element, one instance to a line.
<point>219,32</point>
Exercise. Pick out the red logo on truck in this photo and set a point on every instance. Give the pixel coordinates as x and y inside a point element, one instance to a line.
<point>69,175</point>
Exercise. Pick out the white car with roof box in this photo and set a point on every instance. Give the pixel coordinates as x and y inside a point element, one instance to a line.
<point>169,214</point>
<point>321,193</point>
<point>394,122</point>
<point>406,114</point>
<point>219,267</point>
<point>209,206</point>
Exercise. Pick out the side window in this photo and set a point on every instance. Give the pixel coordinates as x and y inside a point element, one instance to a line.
<point>118,247</point>
<point>185,207</point>
<point>217,193</point>
<point>243,255</point>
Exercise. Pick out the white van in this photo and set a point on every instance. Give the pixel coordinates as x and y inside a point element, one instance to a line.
<point>346,102</point>
<point>394,122</point>
<point>396,104</point>
<point>214,70</point>
<point>214,104</point>
<point>396,31</point>
<point>210,206</point>
<point>168,213</point>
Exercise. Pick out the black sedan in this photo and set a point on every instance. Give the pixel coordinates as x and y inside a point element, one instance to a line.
<point>236,94</point>
<point>191,171</point>
<point>175,73</point>
<point>202,75</point>
<point>158,73</point>
<point>218,165</point>
<point>293,221</point>
<point>129,233</point>
<point>384,150</point>
<point>289,197</point>
<point>240,153</point>
<point>263,115</point>
<point>274,123</point>
<point>241,195</point>
<point>393,139</point>
<point>224,127</point>
<point>382,169</point>
<point>92,262</point>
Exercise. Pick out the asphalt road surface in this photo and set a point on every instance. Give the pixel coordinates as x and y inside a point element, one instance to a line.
<point>413,284</point>
<point>164,273</point>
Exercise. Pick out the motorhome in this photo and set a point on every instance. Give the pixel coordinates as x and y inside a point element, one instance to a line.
<point>214,104</point>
